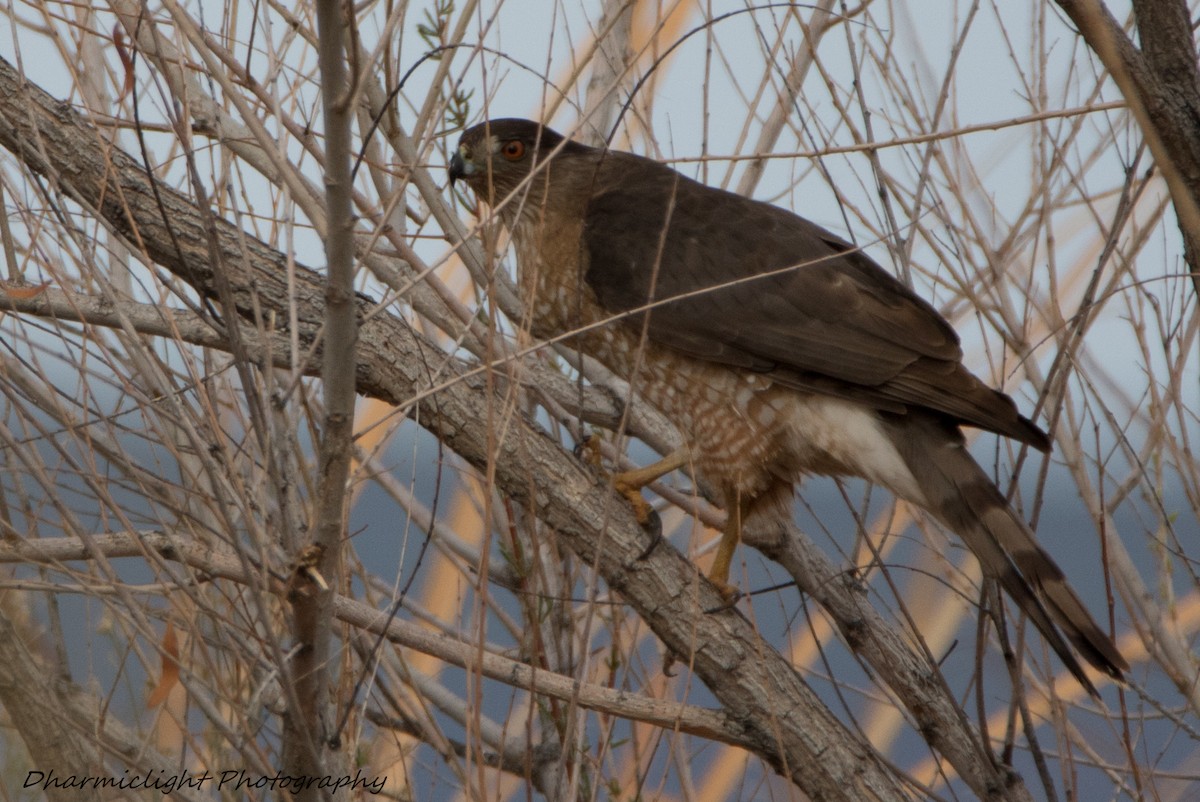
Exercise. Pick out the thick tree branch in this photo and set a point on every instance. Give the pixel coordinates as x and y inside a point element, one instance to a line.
<point>310,746</point>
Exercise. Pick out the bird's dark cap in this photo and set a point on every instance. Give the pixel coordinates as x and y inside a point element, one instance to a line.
<point>506,128</point>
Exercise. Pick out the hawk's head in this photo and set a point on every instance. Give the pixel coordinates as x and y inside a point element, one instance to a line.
<point>494,157</point>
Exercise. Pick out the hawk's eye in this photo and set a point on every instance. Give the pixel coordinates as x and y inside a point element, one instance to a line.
<point>513,150</point>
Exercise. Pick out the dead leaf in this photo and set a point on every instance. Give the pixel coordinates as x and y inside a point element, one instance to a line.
<point>169,677</point>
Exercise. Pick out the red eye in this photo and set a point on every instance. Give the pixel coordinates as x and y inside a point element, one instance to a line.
<point>513,150</point>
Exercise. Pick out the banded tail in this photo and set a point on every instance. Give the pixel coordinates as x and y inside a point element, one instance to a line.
<point>962,497</point>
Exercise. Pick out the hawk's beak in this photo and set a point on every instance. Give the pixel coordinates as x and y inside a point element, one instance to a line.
<point>459,167</point>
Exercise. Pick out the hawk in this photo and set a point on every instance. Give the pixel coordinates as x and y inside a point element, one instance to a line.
<point>777,347</point>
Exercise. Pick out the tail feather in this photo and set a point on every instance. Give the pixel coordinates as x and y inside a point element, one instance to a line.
<point>961,495</point>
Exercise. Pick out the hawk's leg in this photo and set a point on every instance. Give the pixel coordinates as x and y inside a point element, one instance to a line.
<point>718,574</point>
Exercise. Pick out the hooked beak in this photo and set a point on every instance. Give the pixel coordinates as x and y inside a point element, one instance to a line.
<point>459,167</point>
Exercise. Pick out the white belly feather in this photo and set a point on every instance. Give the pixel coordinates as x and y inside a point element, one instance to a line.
<point>827,432</point>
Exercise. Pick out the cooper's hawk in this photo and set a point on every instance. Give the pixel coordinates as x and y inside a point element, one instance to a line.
<point>777,347</point>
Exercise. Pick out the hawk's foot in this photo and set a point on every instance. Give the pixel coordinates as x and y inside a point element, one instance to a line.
<point>645,514</point>
<point>730,596</point>
<point>588,449</point>
<point>647,517</point>
<point>630,483</point>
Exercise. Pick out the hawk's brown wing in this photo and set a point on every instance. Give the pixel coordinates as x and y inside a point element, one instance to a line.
<point>811,310</point>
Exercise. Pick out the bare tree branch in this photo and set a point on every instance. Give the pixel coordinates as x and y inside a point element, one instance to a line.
<point>1161,84</point>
